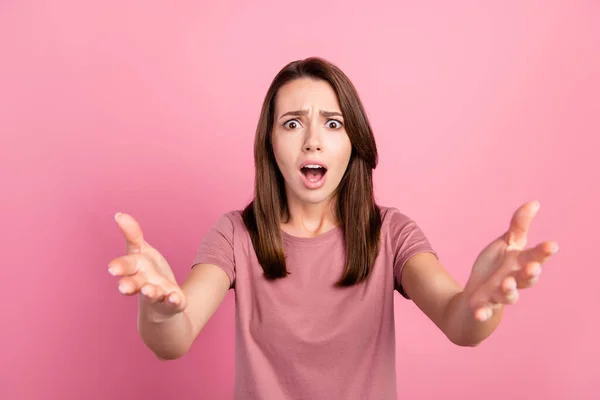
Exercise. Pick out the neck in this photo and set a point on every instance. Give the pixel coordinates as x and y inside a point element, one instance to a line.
<point>308,220</point>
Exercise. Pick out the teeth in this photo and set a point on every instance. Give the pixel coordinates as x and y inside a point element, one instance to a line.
<point>312,166</point>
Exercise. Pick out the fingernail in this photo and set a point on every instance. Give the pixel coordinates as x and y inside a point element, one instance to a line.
<point>481,316</point>
<point>173,298</point>
<point>112,271</point>
<point>117,215</point>
<point>123,288</point>
<point>536,270</point>
<point>554,249</point>
<point>484,314</point>
<point>145,290</point>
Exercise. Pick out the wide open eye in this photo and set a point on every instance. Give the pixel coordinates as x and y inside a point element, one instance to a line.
<point>292,124</point>
<point>334,124</point>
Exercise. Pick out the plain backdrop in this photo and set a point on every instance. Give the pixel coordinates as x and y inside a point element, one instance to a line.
<point>150,108</point>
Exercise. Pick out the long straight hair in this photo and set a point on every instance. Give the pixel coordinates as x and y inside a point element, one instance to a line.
<point>355,206</point>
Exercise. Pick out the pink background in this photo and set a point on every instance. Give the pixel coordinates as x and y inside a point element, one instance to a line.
<point>150,108</point>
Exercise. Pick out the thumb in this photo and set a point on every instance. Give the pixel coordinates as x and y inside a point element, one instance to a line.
<point>516,236</point>
<point>134,238</point>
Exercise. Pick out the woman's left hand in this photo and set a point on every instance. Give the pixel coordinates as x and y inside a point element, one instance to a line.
<point>506,265</point>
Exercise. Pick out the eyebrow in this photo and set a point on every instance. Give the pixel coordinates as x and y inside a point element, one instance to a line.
<point>298,113</point>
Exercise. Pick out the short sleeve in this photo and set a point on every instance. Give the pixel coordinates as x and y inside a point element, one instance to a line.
<point>217,247</point>
<point>407,239</point>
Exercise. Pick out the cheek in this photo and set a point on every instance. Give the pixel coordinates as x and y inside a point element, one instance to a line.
<point>343,149</point>
<point>347,148</point>
<point>277,147</point>
<point>282,153</point>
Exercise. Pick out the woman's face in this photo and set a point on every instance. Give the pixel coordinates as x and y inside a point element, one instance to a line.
<point>309,139</point>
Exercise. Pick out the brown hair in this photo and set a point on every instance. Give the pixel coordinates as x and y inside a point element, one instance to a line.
<point>355,207</point>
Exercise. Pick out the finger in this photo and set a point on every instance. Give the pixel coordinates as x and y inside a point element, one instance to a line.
<point>507,292</point>
<point>130,285</point>
<point>164,291</point>
<point>531,261</point>
<point>484,313</point>
<point>134,238</point>
<point>482,304</point>
<point>529,281</point>
<point>529,275</point>
<point>486,310</point>
<point>521,267</point>
<point>176,298</point>
<point>538,254</point>
<point>516,236</point>
<point>153,293</point>
<point>127,265</point>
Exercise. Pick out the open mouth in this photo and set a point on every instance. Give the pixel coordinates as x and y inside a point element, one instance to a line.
<point>313,172</point>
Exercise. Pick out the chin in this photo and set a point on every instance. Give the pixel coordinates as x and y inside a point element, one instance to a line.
<point>315,200</point>
<point>314,197</point>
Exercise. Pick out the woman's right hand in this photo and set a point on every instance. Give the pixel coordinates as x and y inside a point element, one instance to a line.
<point>144,271</point>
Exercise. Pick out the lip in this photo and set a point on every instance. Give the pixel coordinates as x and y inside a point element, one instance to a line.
<point>309,184</point>
<point>313,162</point>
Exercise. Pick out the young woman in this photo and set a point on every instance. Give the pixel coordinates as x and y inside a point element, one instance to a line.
<point>314,261</point>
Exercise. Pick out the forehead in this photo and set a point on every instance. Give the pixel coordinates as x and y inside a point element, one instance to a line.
<point>306,93</point>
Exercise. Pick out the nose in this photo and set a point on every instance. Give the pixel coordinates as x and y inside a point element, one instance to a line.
<point>313,140</point>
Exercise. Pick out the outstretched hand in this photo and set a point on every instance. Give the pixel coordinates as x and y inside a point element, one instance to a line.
<point>143,270</point>
<point>507,265</point>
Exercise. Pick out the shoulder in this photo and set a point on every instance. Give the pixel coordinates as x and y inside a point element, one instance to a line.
<point>394,219</point>
<point>235,216</point>
<point>400,228</point>
<point>228,223</point>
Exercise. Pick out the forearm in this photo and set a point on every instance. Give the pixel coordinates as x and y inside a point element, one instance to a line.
<point>167,339</point>
<point>460,325</point>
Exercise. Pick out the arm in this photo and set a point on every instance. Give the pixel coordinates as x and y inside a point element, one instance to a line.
<point>171,316</point>
<point>442,299</point>
<point>468,316</point>
<point>204,290</point>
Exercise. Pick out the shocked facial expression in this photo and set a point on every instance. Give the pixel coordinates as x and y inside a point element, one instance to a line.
<point>310,143</point>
